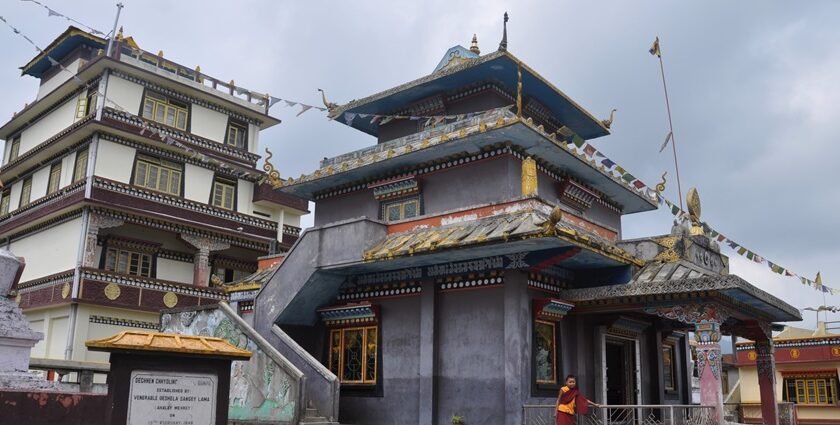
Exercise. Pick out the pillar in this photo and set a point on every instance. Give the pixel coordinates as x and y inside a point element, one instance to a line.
<point>96,222</point>
<point>426,399</point>
<point>707,335</point>
<point>201,265</point>
<point>766,369</point>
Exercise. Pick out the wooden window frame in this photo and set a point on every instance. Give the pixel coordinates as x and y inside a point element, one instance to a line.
<point>803,397</point>
<point>339,371</point>
<point>401,203</point>
<point>80,170</point>
<point>150,161</point>
<point>54,181</point>
<point>670,387</point>
<point>115,254</point>
<point>5,201</point>
<point>26,187</point>
<point>14,149</point>
<point>240,128</point>
<point>226,182</point>
<point>157,101</point>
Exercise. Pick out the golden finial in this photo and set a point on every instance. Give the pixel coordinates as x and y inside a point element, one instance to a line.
<point>608,122</point>
<point>660,187</point>
<point>474,46</point>
<point>160,53</point>
<point>120,34</point>
<point>197,68</point>
<point>693,202</point>
<point>273,177</point>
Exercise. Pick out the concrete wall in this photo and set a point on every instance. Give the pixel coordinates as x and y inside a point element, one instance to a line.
<point>400,357</point>
<point>43,252</point>
<point>547,188</point>
<point>208,123</point>
<point>58,78</point>
<point>86,330</point>
<point>114,161</point>
<point>198,183</point>
<point>52,322</point>
<point>176,271</point>
<point>48,126</point>
<point>126,94</point>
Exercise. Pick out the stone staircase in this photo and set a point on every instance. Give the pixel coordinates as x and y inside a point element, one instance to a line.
<point>311,417</point>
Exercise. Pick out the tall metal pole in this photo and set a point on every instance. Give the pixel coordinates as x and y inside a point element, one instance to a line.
<point>671,125</point>
<point>114,30</point>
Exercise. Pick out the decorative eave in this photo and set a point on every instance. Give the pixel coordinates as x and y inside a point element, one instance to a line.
<point>527,223</point>
<point>471,138</point>
<point>63,44</point>
<point>349,314</point>
<point>551,309</point>
<point>501,66</point>
<point>158,342</point>
<point>814,341</point>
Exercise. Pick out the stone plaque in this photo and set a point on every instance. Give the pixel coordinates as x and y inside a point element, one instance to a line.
<point>171,398</point>
<point>705,258</point>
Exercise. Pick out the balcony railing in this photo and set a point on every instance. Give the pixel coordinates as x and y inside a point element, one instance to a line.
<point>429,133</point>
<point>626,415</point>
<point>253,99</point>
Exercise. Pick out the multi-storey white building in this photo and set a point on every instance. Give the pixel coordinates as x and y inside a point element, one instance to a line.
<point>130,184</point>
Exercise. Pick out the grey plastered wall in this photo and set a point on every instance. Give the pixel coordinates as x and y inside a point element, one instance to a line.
<point>471,356</point>
<point>548,189</point>
<point>349,205</point>
<point>400,357</point>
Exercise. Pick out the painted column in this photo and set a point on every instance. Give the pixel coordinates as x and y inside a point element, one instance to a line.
<point>426,399</point>
<point>201,264</point>
<point>707,335</point>
<point>766,368</point>
<point>96,222</point>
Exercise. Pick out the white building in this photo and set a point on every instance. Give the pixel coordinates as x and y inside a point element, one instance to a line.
<point>129,182</point>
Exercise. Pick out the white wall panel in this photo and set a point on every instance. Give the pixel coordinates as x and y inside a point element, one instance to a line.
<point>50,251</point>
<point>114,161</point>
<point>208,123</point>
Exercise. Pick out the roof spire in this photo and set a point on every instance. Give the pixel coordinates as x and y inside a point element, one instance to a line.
<point>503,44</point>
<point>474,46</point>
<point>120,34</point>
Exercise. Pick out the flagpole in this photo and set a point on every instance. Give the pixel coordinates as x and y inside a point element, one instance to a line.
<point>671,125</point>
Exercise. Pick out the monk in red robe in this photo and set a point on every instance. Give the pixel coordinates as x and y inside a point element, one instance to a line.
<point>570,402</point>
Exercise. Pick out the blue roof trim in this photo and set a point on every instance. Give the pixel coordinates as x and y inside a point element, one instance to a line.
<point>454,52</point>
<point>498,68</point>
<point>64,44</point>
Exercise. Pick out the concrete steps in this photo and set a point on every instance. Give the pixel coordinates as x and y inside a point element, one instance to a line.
<point>310,417</point>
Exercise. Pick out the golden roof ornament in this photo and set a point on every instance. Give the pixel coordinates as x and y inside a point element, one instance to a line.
<point>120,34</point>
<point>660,187</point>
<point>693,202</point>
<point>273,176</point>
<point>474,45</point>
<point>329,105</point>
<point>608,122</point>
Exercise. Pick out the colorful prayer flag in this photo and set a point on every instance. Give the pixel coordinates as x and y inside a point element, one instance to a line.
<point>589,150</point>
<point>578,141</point>
<point>654,49</point>
<point>608,163</point>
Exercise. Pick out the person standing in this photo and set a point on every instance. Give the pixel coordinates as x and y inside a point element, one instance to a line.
<point>570,402</point>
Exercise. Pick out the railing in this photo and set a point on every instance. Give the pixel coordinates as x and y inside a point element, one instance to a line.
<point>626,415</point>
<point>253,98</point>
<point>73,375</point>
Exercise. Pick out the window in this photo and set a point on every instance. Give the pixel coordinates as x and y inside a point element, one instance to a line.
<point>157,174</point>
<point>545,352</point>
<point>223,194</point>
<point>25,192</point>
<point>811,388</point>
<point>668,367</point>
<point>80,167</point>
<point>55,178</point>
<point>164,110</point>
<point>128,262</point>
<point>5,202</point>
<point>14,150</point>
<point>353,354</point>
<point>87,104</point>
<point>237,135</point>
<point>401,209</point>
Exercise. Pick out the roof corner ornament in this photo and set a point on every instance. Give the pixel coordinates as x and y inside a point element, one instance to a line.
<point>693,202</point>
<point>329,105</point>
<point>273,176</point>
<point>608,122</point>
<point>503,44</point>
<point>474,45</point>
<point>550,225</point>
<point>660,187</point>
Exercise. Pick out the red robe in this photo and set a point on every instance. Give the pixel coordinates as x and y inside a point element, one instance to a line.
<point>575,401</point>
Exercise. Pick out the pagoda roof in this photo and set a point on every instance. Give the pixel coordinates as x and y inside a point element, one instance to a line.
<point>500,67</point>
<point>472,136</point>
<point>747,300</point>
<point>65,43</point>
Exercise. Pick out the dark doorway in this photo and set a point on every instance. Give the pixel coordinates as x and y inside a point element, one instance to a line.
<point>620,362</point>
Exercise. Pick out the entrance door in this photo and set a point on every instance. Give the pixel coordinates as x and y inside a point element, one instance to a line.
<point>620,355</point>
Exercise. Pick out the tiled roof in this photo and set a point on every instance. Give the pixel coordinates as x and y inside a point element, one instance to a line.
<point>169,343</point>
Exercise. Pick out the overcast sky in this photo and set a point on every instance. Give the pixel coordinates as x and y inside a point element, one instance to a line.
<point>754,89</point>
